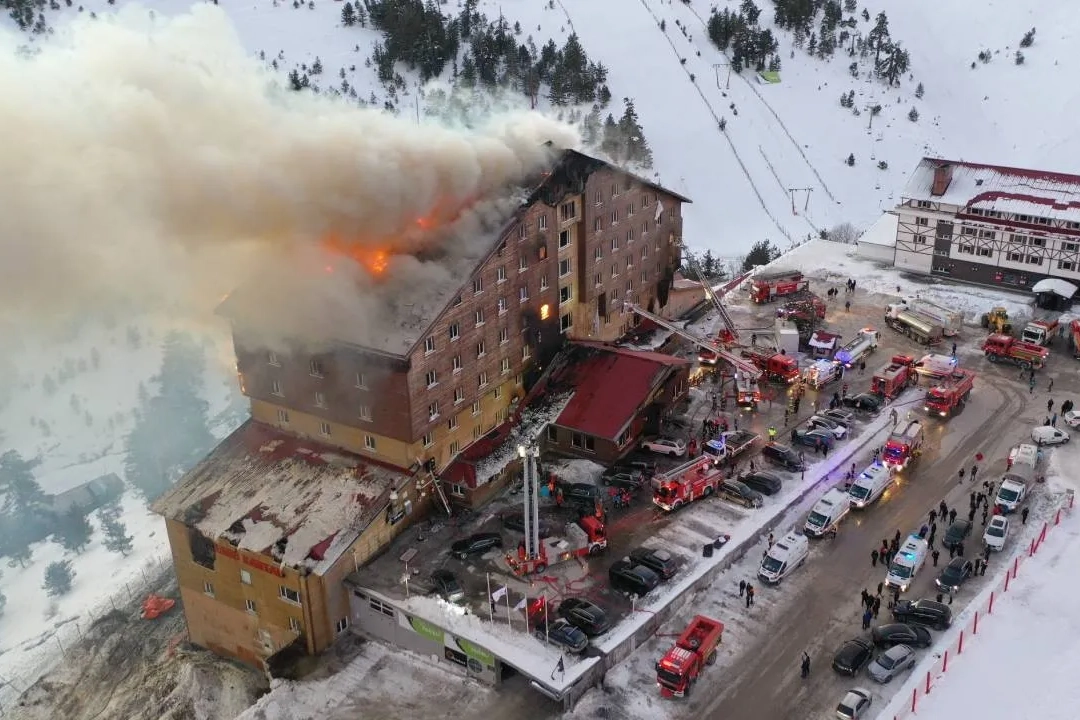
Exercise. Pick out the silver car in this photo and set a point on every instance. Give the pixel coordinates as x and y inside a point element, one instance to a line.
<point>855,705</point>
<point>891,663</point>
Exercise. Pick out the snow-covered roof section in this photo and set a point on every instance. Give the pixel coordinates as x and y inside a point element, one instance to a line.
<point>1057,286</point>
<point>882,232</point>
<point>1004,189</point>
<point>297,501</point>
<point>823,340</point>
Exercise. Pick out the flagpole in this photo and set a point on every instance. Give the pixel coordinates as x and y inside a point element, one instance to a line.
<point>526,613</point>
<point>491,603</point>
<point>508,613</point>
<point>544,596</point>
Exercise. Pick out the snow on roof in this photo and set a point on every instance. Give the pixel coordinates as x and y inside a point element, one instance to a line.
<point>1055,285</point>
<point>612,384</point>
<point>882,232</point>
<point>1005,189</point>
<point>298,501</point>
<point>576,471</point>
<point>823,340</point>
<point>532,423</point>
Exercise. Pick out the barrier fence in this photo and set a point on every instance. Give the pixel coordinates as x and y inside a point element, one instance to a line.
<point>984,613</point>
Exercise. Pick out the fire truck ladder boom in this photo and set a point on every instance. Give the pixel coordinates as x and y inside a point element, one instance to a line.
<point>742,365</point>
<point>713,297</point>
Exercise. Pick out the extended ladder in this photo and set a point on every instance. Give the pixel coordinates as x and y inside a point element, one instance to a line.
<point>744,366</point>
<point>729,324</point>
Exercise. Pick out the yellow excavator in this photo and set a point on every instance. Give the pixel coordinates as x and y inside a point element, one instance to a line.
<point>997,321</point>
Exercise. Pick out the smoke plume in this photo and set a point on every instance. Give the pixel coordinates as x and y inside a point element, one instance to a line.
<point>153,163</point>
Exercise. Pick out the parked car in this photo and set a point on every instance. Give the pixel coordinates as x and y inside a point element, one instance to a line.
<point>812,438</point>
<point>891,663</point>
<point>923,612</point>
<point>563,634</point>
<point>585,615</point>
<point>839,416</point>
<point>996,532</point>
<point>516,521</point>
<point>580,493</point>
<point>852,657</point>
<point>1047,435</point>
<point>645,467</point>
<point>820,422</point>
<point>953,575</point>
<point>658,560</point>
<point>855,705</point>
<point>956,533</point>
<point>863,402</point>
<point>885,636</point>
<point>629,577</point>
<point>475,544</point>
<point>1072,418</point>
<point>445,584</point>
<point>738,492</point>
<point>763,481</point>
<point>783,456</point>
<point>624,480</point>
<point>665,446</point>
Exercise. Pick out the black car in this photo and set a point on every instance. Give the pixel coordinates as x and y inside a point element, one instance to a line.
<point>885,636</point>
<point>762,481</point>
<point>640,467</point>
<point>475,544</point>
<point>623,480</point>
<point>586,616</point>
<point>563,634</point>
<point>783,456</point>
<point>580,493</point>
<point>864,402</point>
<point>853,656</point>
<point>813,438</point>
<point>516,521</point>
<point>659,561</point>
<point>844,418</point>
<point>923,612</point>
<point>445,584</point>
<point>739,493</point>
<point>632,578</point>
<point>953,576</point>
<point>957,533</point>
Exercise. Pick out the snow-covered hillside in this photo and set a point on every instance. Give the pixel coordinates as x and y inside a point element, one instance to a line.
<point>778,169</point>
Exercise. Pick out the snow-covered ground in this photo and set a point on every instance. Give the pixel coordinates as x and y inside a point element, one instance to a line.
<point>1027,644</point>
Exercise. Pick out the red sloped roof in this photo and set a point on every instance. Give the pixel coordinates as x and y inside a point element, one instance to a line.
<point>610,387</point>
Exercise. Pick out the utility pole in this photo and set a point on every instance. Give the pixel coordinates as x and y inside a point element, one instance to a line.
<point>716,70</point>
<point>871,110</point>
<point>806,206</point>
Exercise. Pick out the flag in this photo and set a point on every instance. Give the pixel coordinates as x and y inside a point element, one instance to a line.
<point>560,667</point>
<point>498,594</point>
<point>521,605</point>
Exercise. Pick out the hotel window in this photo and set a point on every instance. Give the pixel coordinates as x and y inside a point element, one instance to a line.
<point>477,431</point>
<point>644,251</point>
<point>504,336</point>
<point>1034,260</point>
<point>454,331</point>
<point>501,305</point>
<point>629,287</point>
<point>544,282</point>
<point>1066,265</point>
<point>922,203</point>
<point>614,244</point>
<point>479,316</point>
<point>429,345</point>
<point>482,380</point>
<point>987,234</point>
<point>459,395</point>
<point>478,286</point>
<point>566,294</point>
<point>566,322</point>
<point>568,211</point>
<point>1037,242</point>
<point>523,230</point>
<point>431,378</point>
<point>504,365</point>
<point>1069,246</point>
<point>984,252</point>
<point>525,348</point>
<point>597,225</point>
<point>1015,257</point>
<point>272,358</point>
<point>523,264</point>
<point>969,231</point>
<point>476,407</point>
<point>316,367</point>
<point>481,349</point>
<point>921,221</point>
<point>433,410</point>
<point>523,293</point>
<point>598,279</point>
<point>614,189</point>
<point>500,275</point>
<point>208,588</point>
<point>644,276</point>
<point>369,442</point>
<point>542,222</point>
<point>283,416</point>
<point>452,424</point>
<point>598,198</point>
<point>289,595</point>
<point>428,440</point>
<point>294,625</point>
<point>614,270</point>
<point>564,267</point>
<point>564,239</point>
<point>275,388</point>
<point>629,261</point>
<point>455,363</point>
<point>645,199</point>
<point>361,381</point>
<point>455,447</point>
<point>614,217</point>
<point>365,413</point>
<point>644,228</point>
<point>324,429</point>
<point>598,253</point>
<point>320,400</point>
<point>630,209</point>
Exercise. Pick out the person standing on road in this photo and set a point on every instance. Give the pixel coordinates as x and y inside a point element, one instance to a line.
<point>952,552</point>
<point>873,557</point>
<point>1050,387</point>
<point>952,516</point>
<point>954,349</point>
<point>933,516</point>
<point>974,471</point>
<point>930,537</point>
<point>1023,516</point>
<point>971,515</point>
<point>943,509</point>
<point>961,474</point>
<point>876,607</point>
<point>742,588</point>
<point>960,550</point>
<point>1049,405</point>
<point>867,616</point>
<point>1053,420</point>
<point>1031,386</point>
<point>749,595</point>
<point>935,555</point>
<point>804,667</point>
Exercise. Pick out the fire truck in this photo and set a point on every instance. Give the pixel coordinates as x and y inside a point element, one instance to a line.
<point>921,328</point>
<point>1039,332</point>
<point>587,536</point>
<point>683,663</point>
<point>695,480</point>
<point>1004,348</point>
<point>1074,327</point>
<point>807,309</point>
<point>822,372</point>
<point>775,366</point>
<point>864,343</point>
<point>945,398</point>
<point>770,287</point>
<point>895,377</point>
<point>902,446</point>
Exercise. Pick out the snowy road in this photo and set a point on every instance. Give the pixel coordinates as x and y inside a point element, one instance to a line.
<point>826,613</point>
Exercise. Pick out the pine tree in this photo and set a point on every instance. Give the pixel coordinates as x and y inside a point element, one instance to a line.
<point>919,91</point>
<point>708,264</point>
<point>348,15</point>
<point>73,530</point>
<point>850,160</point>
<point>811,46</point>
<point>294,80</point>
<point>612,142</point>
<point>879,34</point>
<point>116,538</point>
<point>316,67</point>
<point>637,149</point>
<point>913,116</point>
<point>22,494</point>
<point>762,253</point>
<point>58,578</point>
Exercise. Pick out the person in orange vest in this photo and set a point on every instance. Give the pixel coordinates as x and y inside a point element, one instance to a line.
<point>693,448</point>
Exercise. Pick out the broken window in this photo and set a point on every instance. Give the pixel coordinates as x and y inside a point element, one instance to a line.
<point>203,551</point>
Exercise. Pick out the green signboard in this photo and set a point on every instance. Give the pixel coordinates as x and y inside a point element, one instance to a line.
<point>431,632</point>
<point>476,652</point>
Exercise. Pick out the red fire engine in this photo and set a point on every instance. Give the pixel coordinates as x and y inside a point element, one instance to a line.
<point>694,481</point>
<point>903,446</point>
<point>587,537</point>
<point>775,366</point>
<point>893,378</point>
<point>774,286</point>
<point>684,662</point>
<point>946,397</point>
<point>1003,347</point>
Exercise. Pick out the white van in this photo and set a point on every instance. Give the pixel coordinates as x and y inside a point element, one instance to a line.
<point>869,485</point>
<point>784,556</point>
<point>936,365</point>
<point>1024,454</point>
<point>827,513</point>
<point>907,563</point>
<point>1011,494</point>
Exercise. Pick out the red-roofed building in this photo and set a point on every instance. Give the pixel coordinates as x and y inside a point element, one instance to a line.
<point>619,395</point>
<point>264,530</point>
<point>989,224</point>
